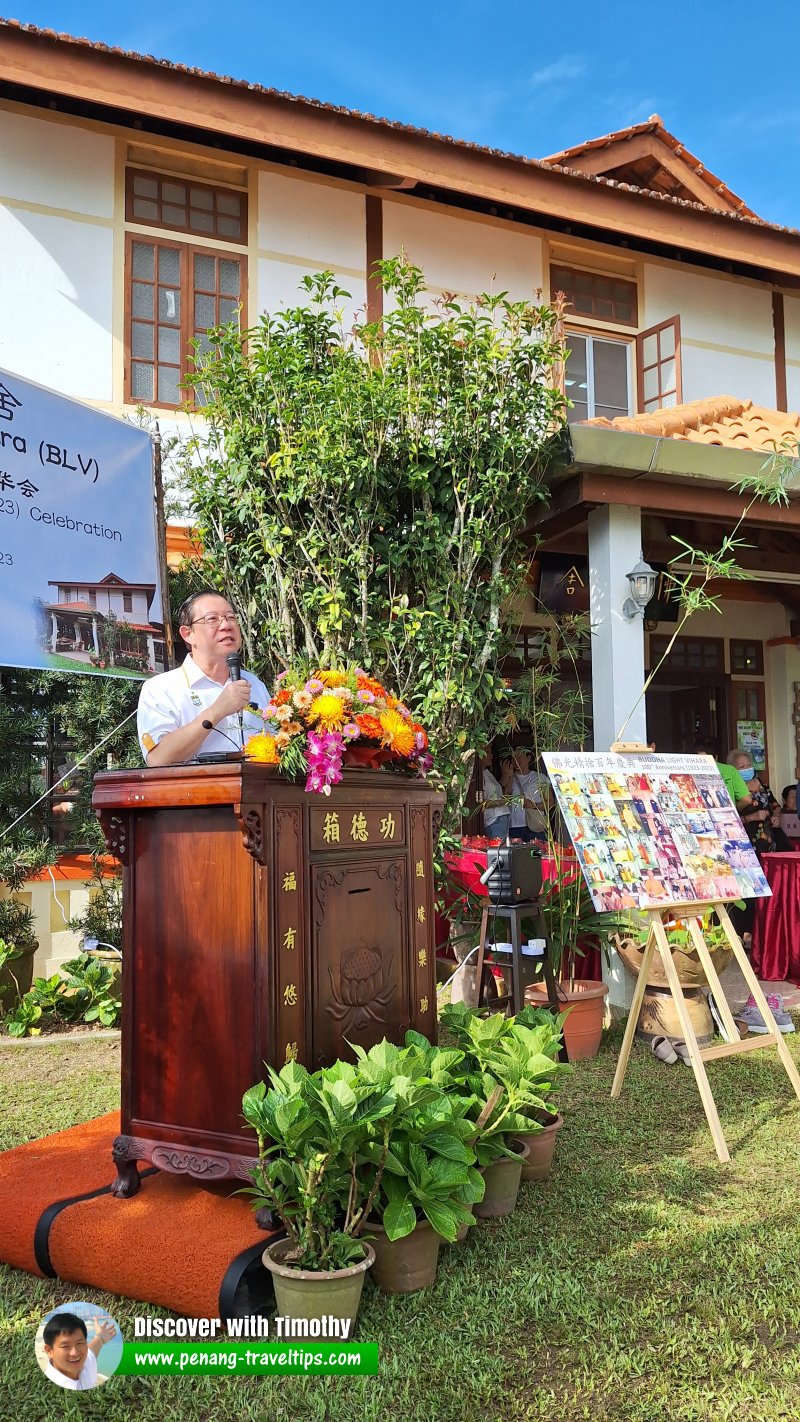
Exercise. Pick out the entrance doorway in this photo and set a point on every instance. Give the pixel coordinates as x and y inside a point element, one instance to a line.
<point>679,716</point>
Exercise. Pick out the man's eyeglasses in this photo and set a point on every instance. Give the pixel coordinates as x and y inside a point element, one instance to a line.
<point>214,620</point>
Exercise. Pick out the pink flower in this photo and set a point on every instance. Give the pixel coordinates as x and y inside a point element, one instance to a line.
<point>314,686</point>
<point>366,697</point>
<point>350,731</point>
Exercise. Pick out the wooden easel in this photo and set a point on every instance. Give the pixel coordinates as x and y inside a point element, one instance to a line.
<point>733,1044</point>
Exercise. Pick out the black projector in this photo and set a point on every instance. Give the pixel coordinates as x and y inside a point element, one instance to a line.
<point>513,874</point>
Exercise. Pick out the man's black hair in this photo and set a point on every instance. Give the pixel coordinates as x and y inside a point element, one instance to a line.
<point>707,747</point>
<point>62,1323</point>
<point>187,607</point>
<point>787,788</point>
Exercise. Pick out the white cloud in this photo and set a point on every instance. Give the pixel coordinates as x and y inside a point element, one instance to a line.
<point>569,66</point>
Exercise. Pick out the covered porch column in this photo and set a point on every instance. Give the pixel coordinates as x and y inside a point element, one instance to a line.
<point>615,546</point>
<point>53,632</point>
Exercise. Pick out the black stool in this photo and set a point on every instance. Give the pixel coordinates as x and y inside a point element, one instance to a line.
<point>515,914</point>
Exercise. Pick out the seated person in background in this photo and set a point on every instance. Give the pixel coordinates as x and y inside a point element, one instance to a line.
<point>789,800</point>
<point>496,813</point>
<point>535,791</point>
<point>174,705</point>
<point>790,820</point>
<point>762,820</point>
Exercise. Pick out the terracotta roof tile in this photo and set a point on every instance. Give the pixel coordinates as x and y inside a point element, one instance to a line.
<point>655,124</point>
<point>722,420</point>
<point>550,164</point>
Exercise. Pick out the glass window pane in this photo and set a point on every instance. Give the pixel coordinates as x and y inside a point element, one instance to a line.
<point>174,216</point>
<point>205,311</point>
<point>141,341</point>
<point>145,210</point>
<point>603,309</point>
<point>667,342</point>
<point>141,381</point>
<point>146,187</point>
<point>205,273</point>
<point>169,265</point>
<point>173,192</point>
<point>228,310</point>
<point>143,260</point>
<point>579,411</point>
<point>168,389</point>
<point>230,203</point>
<point>229,273</point>
<point>201,221</point>
<point>169,345</point>
<point>202,197</point>
<point>667,401</point>
<point>142,299</point>
<point>668,375</point>
<point>203,344</point>
<point>229,227</point>
<point>651,390</point>
<point>650,350</point>
<point>611,374</point>
<point>169,306</point>
<point>623,311</point>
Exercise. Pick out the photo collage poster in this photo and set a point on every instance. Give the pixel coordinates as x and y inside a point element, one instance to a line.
<point>654,830</point>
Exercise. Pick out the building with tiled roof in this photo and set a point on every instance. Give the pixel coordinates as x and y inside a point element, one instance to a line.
<point>141,201</point>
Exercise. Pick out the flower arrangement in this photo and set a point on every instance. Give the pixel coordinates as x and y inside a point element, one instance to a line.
<point>315,716</point>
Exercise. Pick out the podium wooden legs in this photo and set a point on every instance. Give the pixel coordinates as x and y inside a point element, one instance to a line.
<point>733,1045</point>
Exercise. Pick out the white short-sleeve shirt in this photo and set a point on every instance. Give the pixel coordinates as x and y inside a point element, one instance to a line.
<point>178,697</point>
<point>86,1379</point>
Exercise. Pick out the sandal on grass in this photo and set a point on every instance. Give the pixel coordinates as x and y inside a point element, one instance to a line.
<point>661,1047</point>
<point>683,1051</point>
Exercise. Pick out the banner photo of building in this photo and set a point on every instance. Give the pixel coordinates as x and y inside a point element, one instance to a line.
<point>78,561</point>
<point>654,830</point>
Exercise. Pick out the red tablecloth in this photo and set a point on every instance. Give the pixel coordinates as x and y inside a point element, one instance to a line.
<point>466,868</point>
<point>776,928</point>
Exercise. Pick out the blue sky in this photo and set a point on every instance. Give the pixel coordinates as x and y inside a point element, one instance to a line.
<point>522,75</point>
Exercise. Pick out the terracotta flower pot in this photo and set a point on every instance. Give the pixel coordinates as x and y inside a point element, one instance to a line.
<point>404,1265</point>
<point>541,1147</point>
<point>310,1293</point>
<point>583,1028</point>
<point>503,1178</point>
<point>690,970</point>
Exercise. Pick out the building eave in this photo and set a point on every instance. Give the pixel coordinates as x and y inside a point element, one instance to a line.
<point>207,104</point>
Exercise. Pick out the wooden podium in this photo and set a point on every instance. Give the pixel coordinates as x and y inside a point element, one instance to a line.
<point>260,924</point>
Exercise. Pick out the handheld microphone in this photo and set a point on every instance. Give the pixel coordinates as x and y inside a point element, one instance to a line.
<point>234,662</point>
<point>209,726</point>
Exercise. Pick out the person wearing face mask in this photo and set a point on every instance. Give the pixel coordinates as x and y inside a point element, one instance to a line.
<point>763,820</point>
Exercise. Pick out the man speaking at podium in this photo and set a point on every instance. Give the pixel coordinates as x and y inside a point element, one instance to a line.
<point>205,705</point>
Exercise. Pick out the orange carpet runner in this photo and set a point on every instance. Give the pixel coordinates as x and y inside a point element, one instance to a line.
<point>172,1244</point>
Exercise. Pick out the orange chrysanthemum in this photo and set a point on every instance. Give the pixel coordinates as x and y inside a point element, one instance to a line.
<point>397,733</point>
<point>369,726</point>
<point>281,697</point>
<point>331,678</point>
<point>328,711</point>
<point>263,749</point>
<point>368,683</point>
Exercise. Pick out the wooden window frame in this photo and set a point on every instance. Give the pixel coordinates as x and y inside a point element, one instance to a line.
<point>215,189</point>
<point>187,327</point>
<point>755,671</point>
<point>673,322</point>
<point>760,687</point>
<point>614,319</point>
<point>702,674</point>
<point>611,339</point>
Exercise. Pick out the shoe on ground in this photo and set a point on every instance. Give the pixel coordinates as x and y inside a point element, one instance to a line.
<point>716,1014</point>
<point>661,1048</point>
<point>755,1022</point>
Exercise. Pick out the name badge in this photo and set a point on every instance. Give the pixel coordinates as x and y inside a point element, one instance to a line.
<point>195,699</point>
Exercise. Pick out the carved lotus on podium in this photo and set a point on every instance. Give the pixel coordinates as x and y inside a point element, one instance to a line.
<point>361,997</point>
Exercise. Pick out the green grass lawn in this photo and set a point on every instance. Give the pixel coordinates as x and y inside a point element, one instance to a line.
<point>59,663</point>
<point>643,1283</point>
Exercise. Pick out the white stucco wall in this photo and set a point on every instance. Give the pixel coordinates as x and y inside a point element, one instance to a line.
<point>306,227</point>
<point>56,298</point>
<point>463,255</point>
<point>57,165</point>
<point>727,339</point>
